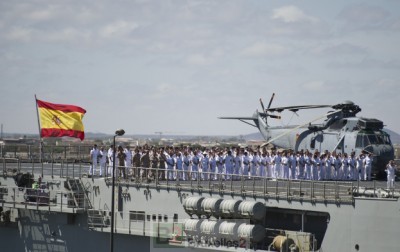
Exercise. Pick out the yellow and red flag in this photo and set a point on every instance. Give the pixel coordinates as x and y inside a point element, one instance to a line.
<point>57,120</point>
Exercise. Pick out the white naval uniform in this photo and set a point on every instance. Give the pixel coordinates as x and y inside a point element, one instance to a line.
<point>390,171</point>
<point>361,168</point>
<point>103,162</point>
<point>110,155</point>
<point>94,153</point>
<point>285,165</point>
<point>270,166</point>
<point>128,161</point>
<point>316,163</point>
<point>368,167</point>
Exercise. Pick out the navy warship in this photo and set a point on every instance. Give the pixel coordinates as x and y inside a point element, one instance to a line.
<point>67,210</point>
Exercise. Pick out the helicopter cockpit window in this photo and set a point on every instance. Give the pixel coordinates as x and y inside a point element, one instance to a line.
<point>383,138</point>
<point>362,141</point>
<point>374,138</point>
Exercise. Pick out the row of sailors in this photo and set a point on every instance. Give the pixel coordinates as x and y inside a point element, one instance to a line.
<point>233,164</point>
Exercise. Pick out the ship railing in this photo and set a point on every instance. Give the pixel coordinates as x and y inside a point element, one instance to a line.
<point>212,181</point>
<point>240,184</point>
<point>57,167</point>
<point>336,191</point>
<point>42,198</point>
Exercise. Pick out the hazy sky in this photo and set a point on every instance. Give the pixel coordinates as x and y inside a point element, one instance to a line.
<point>175,66</point>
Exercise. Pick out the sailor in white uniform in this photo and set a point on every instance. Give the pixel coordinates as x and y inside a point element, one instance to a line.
<point>270,165</point>
<point>368,166</point>
<point>94,154</point>
<point>390,171</point>
<point>285,165</point>
<point>103,161</point>
<point>263,165</point>
<point>128,159</point>
<point>110,155</point>
<point>353,167</point>
<point>360,167</point>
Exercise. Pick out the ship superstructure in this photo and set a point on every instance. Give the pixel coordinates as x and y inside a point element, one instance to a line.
<point>69,211</point>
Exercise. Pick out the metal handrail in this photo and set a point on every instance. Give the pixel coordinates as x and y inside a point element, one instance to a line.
<point>314,190</point>
<point>22,197</point>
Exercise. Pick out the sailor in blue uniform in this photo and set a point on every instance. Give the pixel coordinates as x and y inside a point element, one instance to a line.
<point>195,165</point>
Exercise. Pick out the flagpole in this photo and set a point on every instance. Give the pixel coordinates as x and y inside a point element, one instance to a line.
<point>40,132</point>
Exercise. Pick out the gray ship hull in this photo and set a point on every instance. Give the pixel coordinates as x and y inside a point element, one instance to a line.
<point>150,215</point>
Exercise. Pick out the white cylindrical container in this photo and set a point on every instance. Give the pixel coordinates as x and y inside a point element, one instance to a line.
<point>252,233</point>
<point>228,230</point>
<point>209,228</point>
<point>192,205</point>
<point>252,209</point>
<point>230,208</point>
<point>211,206</point>
<point>192,227</point>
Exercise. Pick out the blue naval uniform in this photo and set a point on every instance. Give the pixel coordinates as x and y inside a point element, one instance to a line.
<point>195,166</point>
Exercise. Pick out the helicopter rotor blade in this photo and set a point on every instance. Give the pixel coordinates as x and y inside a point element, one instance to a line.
<point>270,101</point>
<point>262,105</point>
<point>297,127</point>
<point>269,115</point>
<point>274,116</point>
<point>297,108</point>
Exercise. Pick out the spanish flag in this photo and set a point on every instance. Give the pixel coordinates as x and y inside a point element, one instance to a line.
<point>57,120</point>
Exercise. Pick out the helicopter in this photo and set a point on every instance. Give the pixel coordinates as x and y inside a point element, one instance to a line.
<point>340,132</point>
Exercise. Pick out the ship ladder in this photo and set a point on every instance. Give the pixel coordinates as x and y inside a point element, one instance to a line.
<point>79,194</point>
